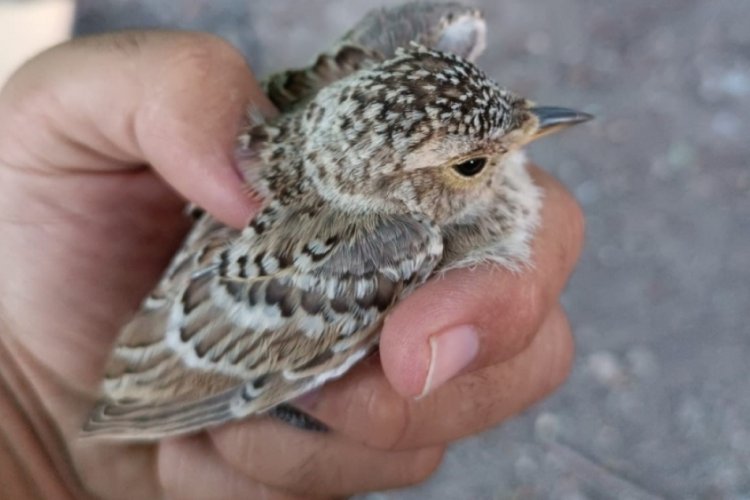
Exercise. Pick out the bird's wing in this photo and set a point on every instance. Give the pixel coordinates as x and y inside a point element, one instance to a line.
<point>244,322</point>
<point>449,27</point>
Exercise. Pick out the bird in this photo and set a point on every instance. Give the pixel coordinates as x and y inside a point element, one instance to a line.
<point>394,159</point>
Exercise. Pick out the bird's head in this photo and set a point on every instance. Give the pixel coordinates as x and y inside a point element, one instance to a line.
<point>424,131</point>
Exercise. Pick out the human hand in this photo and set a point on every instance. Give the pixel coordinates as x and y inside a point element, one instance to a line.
<point>87,228</point>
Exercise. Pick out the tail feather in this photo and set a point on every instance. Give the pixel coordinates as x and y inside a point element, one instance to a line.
<point>149,422</point>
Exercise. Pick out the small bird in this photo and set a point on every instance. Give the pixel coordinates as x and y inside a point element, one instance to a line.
<point>391,162</point>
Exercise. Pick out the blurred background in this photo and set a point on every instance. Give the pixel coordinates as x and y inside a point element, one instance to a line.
<point>658,405</point>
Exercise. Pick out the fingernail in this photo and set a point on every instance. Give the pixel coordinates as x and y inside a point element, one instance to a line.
<point>451,352</point>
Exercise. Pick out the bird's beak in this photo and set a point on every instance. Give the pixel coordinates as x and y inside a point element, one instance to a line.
<point>553,119</point>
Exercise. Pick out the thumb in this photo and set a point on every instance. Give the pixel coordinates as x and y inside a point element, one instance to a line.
<point>474,318</point>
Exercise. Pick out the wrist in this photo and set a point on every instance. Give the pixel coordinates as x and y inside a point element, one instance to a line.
<point>34,463</point>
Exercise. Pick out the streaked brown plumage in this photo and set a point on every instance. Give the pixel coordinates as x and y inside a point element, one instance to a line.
<point>390,162</point>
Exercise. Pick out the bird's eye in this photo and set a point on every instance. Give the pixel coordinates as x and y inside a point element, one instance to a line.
<point>470,168</point>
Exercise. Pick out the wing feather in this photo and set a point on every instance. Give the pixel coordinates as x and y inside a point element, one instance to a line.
<point>449,27</point>
<point>242,322</point>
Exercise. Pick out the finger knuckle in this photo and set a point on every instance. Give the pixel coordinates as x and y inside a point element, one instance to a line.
<point>170,468</point>
<point>478,409</point>
<point>424,464</point>
<point>201,57</point>
<point>25,105</point>
<point>564,346</point>
<point>526,305</point>
<point>126,42</point>
<point>389,417</point>
<point>576,225</point>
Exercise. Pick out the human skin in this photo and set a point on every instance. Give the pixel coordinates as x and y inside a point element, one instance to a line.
<point>102,140</point>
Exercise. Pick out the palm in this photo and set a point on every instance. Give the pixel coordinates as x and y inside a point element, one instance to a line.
<point>98,243</point>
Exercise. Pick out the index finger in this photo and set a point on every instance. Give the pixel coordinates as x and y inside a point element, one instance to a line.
<point>174,100</point>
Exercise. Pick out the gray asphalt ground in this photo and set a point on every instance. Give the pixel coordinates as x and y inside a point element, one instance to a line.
<point>658,404</point>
